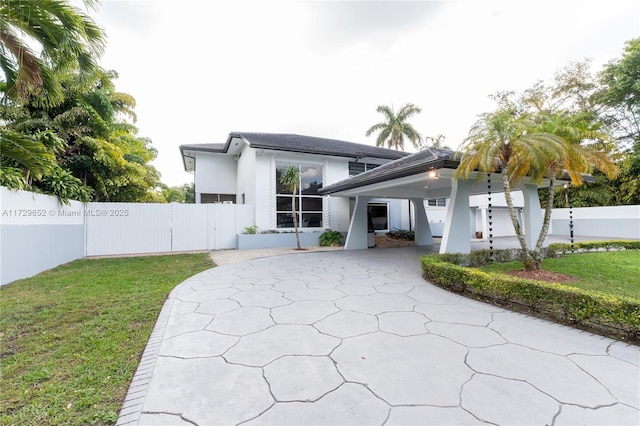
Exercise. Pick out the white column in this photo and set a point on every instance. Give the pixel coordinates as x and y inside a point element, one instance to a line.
<point>532,214</point>
<point>357,236</point>
<point>422,231</point>
<point>456,237</point>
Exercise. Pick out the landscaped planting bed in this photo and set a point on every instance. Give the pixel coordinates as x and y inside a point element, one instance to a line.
<point>596,311</point>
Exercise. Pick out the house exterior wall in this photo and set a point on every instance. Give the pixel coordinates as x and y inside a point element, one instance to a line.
<point>264,186</point>
<point>337,207</point>
<point>246,176</point>
<point>251,176</point>
<point>215,174</point>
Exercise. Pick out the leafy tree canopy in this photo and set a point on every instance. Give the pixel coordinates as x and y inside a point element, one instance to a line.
<point>41,39</point>
<point>86,147</point>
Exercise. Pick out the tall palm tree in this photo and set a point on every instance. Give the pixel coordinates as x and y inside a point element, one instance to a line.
<point>68,40</point>
<point>395,127</point>
<point>503,141</point>
<point>544,146</point>
<point>290,178</point>
<point>586,149</point>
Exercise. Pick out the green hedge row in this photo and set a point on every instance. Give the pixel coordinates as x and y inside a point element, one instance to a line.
<point>556,249</point>
<point>600,313</point>
<point>482,257</point>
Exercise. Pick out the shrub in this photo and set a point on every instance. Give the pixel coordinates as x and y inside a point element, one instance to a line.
<point>597,312</point>
<point>331,238</point>
<point>557,249</point>
<point>401,234</point>
<point>481,257</point>
<point>250,230</point>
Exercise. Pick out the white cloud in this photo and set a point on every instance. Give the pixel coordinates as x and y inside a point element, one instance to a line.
<point>200,69</point>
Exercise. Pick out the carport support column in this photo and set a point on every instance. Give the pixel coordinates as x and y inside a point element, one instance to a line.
<point>532,214</point>
<point>456,237</point>
<point>423,231</point>
<point>358,228</point>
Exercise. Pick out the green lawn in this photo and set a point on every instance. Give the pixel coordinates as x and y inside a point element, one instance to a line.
<point>71,337</point>
<point>615,272</point>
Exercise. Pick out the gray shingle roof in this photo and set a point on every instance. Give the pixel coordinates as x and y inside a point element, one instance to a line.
<point>300,143</point>
<point>315,145</point>
<point>410,165</point>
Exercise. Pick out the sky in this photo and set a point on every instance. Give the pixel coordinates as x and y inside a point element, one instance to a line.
<point>200,69</point>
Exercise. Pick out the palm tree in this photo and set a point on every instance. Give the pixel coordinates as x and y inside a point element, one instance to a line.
<point>395,127</point>
<point>290,178</point>
<point>67,38</point>
<point>503,141</point>
<point>544,146</point>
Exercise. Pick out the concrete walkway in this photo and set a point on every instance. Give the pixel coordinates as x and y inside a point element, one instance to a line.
<point>358,337</point>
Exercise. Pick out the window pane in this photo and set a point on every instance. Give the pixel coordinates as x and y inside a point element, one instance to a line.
<point>431,202</point>
<point>285,220</point>
<point>441,202</point>
<point>280,189</point>
<point>311,177</point>
<point>284,203</point>
<point>312,220</point>
<point>356,168</point>
<point>311,204</point>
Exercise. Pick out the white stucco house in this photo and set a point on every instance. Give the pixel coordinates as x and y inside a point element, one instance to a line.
<point>246,170</point>
<point>349,187</point>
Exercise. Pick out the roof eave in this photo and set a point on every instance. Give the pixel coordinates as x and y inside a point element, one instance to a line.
<point>348,184</point>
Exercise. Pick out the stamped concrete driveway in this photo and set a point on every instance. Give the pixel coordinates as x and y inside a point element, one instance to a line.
<point>360,338</point>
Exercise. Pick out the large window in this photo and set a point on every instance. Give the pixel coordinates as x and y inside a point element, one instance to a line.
<point>308,200</point>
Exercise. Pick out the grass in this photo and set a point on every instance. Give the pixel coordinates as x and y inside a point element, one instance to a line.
<point>615,272</point>
<point>71,337</point>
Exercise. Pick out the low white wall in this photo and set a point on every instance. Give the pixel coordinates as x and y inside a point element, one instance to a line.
<point>609,222</point>
<point>36,234</point>
<point>257,241</point>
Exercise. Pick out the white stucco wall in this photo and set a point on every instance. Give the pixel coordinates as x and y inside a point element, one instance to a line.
<point>264,174</point>
<point>215,174</point>
<point>337,207</point>
<point>608,222</point>
<point>497,199</point>
<point>246,176</point>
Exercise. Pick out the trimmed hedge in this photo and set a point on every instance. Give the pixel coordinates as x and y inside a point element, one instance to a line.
<point>556,249</point>
<point>601,313</point>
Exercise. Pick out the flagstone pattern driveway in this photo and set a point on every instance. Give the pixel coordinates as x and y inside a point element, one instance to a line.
<point>358,337</point>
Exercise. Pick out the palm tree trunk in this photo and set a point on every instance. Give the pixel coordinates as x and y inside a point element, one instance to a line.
<point>295,219</point>
<point>546,221</point>
<point>526,255</point>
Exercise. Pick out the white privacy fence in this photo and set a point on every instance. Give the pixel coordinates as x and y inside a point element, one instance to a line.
<point>37,233</point>
<point>127,228</point>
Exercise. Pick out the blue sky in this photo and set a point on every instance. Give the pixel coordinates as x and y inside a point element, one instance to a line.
<point>200,69</point>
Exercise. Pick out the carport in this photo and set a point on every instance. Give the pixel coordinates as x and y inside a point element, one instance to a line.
<point>424,175</point>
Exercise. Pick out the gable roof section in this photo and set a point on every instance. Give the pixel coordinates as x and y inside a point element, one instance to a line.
<point>299,143</point>
<point>315,145</point>
<point>419,162</point>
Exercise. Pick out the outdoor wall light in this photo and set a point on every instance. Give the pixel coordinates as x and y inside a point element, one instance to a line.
<point>432,174</point>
